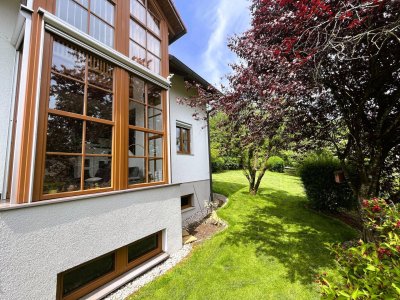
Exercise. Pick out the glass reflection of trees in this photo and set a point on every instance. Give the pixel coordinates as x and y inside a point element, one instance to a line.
<point>80,122</point>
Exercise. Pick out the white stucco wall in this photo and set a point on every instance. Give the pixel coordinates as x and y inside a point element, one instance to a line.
<point>8,19</point>
<point>37,243</point>
<point>194,167</point>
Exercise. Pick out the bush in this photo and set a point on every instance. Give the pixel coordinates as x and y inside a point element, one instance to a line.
<point>276,164</point>
<point>369,270</point>
<point>317,174</point>
<point>217,162</point>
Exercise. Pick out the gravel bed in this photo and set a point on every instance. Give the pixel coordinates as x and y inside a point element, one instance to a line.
<point>157,271</point>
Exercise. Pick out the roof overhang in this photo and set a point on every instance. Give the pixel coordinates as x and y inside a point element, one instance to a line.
<point>176,26</point>
<point>179,68</point>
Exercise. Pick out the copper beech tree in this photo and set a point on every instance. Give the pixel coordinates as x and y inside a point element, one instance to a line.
<point>333,69</point>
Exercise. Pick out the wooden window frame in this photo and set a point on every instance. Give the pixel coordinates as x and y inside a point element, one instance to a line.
<point>190,204</point>
<point>181,150</point>
<point>121,266</point>
<point>90,12</point>
<point>148,31</point>
<point>31,141</point>
<point>120,140</point>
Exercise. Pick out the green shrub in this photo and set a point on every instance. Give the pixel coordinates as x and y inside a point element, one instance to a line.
<point>369,270</point>
<point>276,164</point>
<point>317,174</point>
<point>217,162</point>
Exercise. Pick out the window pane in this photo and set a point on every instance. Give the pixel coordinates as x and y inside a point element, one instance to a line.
<point>72,13</point>
<point>140,248</point>
<point>153,45</point>
<point>85,3</point>
<point>154,63</point>
<point>137,171</point>
<point>155,145</point>
<point>68,61</point>
<point>153,23</point>
<point>137,53</point>
<point>101,31</point>
<point>97,172</point>
<point>62,174</point>
<point>155,119</point>
<point>155,170</point>
<point>100,73</point>
<point>178,139</point>
<point>138,10</point>
<point>136,114</point>
<point>98,138</point>
<point>154,96</point>
<point>104,9</point>
<point>136,143</point>
<point>136,89</point>
<point>87,273</point>
<point>138,34</point>
<point>64,134</point>
<point>100,104</point>
<point>66,94</point>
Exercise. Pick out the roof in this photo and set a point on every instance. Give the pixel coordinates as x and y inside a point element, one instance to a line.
<point>179,68</point>
<point>176,26</point>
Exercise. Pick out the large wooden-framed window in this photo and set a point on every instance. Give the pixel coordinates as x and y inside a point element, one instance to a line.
<point>83,279</point>
<point>145,35</point>
<point>95,17</point>
<point>146,132</point>
<point>101,129</point>
<point>183,137</point>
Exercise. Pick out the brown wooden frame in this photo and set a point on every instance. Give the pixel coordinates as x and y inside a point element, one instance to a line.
<point>22,182</point>
<point>121,266</point>
<point>181,150</point>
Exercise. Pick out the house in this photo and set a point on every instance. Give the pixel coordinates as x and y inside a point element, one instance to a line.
<point>101,166</point>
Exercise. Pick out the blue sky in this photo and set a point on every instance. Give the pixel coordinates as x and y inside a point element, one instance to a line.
<point>210,23</point>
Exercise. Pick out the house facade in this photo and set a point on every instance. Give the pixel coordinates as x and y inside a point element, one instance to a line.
<point>101,165</point>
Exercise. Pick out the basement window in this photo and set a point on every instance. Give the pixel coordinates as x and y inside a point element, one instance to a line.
<point>85,278</point>
<point>186,201</point>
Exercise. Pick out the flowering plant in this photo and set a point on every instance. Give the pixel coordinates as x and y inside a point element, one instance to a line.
<point>369,270</point>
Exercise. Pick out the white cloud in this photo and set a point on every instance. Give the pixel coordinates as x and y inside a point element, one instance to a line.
<point>228,17</point>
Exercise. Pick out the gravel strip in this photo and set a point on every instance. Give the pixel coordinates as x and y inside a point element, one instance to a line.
<point>157,271</point>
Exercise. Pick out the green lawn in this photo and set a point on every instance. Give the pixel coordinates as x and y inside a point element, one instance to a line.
<point>272,248</point>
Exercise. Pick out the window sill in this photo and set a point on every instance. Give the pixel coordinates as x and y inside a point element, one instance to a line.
<point>185,154</point>
<point>188,209</point>
<point>4,206</point>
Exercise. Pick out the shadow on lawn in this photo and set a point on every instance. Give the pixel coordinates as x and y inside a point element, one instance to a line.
<point>284,230</point>
<point>227,188</point>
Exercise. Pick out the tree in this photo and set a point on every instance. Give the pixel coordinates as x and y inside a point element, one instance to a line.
<point>336,64</point>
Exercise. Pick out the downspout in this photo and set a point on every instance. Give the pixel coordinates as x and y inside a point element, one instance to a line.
<point>209,156</point>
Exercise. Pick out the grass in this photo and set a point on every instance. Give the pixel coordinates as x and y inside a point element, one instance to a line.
<point>272,249</point>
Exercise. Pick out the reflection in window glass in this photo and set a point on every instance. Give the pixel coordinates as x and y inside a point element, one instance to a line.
<point>88,272</point>
<point>100,73</point>
<point>100,104</point>
<point>98,138</point>
<point>136,143</point>
<point>154,96</point>
<point>155,145</point>
<point>141,247</point>
<point>62,174</point>
<point>97,172</point>
<point>66,94</point>
<point>136,170</point>
<point>137,114</point>
<point>64,134</point>
<point>136,89</point>
<point>155,119</point>
<point>155,170</point>
<point>68,61</point>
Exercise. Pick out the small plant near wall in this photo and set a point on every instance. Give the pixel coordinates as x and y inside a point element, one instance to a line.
<point>369,270</point>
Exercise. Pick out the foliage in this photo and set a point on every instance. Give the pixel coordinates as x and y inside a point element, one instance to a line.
<point>276,164</point>
<point>317,175</point>
<point>335,67</point>
<point>369,270</point>
<point>271,249</point>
